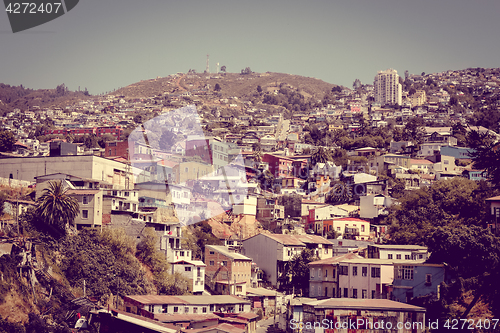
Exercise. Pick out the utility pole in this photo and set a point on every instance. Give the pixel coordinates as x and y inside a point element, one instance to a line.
<point>275,307</point>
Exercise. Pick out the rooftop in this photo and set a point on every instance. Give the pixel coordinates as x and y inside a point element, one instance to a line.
<point>225,251</point>
<point>364,304</point>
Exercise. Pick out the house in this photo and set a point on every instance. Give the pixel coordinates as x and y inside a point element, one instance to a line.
<point>272,251</point>
<point>192,170</point>
<point>417,279</point>
<point>365,315</point>
<point>91,207</point>
<point>91,167</point>
<point>421,165</point>
<point>348,227</point>
<point>142,304</point>
<point>268,210</point>
<point>88,192</point>
<point>296,313</point>
<point>343,246</point>
<point>193,271</point>
<point>279,166</point>
<point>366,278</point>
<point>398,252</point>
<point>121,321</point>
<point>495,212</point>
<point>323,278</point>
<point>374,206</point>
<point>262,298</point>
<point>227,271</point>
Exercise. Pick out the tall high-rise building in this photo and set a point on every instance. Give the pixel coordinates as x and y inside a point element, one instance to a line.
<point>387,88</point>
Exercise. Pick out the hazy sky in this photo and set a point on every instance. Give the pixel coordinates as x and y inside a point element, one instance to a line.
<point>108,44</point>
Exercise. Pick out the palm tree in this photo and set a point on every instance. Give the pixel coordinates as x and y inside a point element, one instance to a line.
<point>55,207</point>
<point>320,155</point>
<point>257,156</point>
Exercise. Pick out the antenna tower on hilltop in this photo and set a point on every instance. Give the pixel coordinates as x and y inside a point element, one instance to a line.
<point>208,68</point>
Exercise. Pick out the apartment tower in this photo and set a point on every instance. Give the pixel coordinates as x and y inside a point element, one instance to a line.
<point>388,90</point>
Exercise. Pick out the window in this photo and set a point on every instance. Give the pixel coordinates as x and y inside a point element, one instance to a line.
<point>186,310</point>
<point>407,256</point>
<point>364,293</point>
<point>151,308</point>
<point>187,269</point>
<point>375,272</point>
<point>344,270</point>
<point>326,272</point>
<point>85,200</point>
<point>224,263</point>
<point>364,271</point>
<point>398,256</point>
<point>212,308</point>
<point>195,310</point>
<point>354,270</point>
<point>405,272</point>
<point>362,228</point>
<point>85,214</point>
<point>312,272</point>
<point>373,294</point>
<point>164,308</point>
<point>319,272</point>
<point>355,293</point>
<point>239,289</point>
<point>346,292</point>
<point>204,309</point>
<point>428,279</point>
<point>389,256</point>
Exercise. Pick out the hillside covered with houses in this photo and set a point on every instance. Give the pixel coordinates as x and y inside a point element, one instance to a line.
<point>235,198</point>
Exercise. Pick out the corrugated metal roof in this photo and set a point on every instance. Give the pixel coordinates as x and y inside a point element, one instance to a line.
<point>172,318</point>
<point>335,260</point>
<point>225,251</point>
<point>365,304</point>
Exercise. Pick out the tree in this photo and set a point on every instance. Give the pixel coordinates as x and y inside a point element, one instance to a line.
<point>167,140</point>
<point>223,69</point>
<point>7,141</point>
<point>138,119</point>
<point>257,155</point>
<point>296,273</point>
<point>472,256</point>
<point>56,208</point>
<point>247,70</point>
<point>259,89</point>
<point>320,155</point>
<point>217,87</point>
<point>457,201</point>
<point>414,131</point>
<point>3,196</point>
<point>485,155</point>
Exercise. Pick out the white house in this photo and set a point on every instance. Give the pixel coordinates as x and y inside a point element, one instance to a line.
<point>194,271</point>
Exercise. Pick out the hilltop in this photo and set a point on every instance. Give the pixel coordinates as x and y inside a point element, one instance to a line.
<point>19,97</point>
<point>237,85</point>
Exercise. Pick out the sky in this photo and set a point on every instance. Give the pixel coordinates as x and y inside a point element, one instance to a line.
<point>103,45</point>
